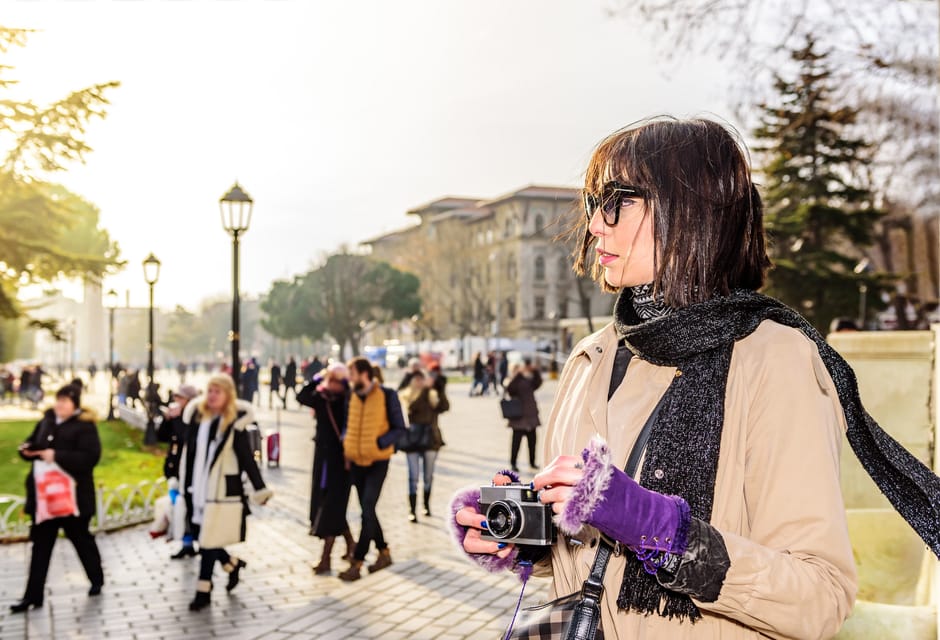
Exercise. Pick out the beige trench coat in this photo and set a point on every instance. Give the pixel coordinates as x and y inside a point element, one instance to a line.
<point>778,502</point>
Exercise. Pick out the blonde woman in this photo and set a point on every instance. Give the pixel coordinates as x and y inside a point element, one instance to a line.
<point>217,453</point>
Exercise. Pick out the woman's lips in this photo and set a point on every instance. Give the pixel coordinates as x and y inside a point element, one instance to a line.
<point>604,258</point>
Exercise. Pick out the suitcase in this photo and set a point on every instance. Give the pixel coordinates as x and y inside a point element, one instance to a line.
<point>274,449</point>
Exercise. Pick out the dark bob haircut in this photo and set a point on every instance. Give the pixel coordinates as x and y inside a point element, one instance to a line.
<point>707,215</point>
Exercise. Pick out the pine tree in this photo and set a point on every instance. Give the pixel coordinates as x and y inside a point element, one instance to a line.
<point>820,215</point>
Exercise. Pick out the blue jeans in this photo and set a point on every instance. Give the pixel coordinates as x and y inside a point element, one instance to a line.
<point>427,458</point>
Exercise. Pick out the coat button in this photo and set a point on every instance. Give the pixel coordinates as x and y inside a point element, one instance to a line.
<point>659,474</point>
<point>599,349</point>
<point>49,438</point>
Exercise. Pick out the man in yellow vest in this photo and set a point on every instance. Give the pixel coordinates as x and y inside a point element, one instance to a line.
<point>374,424</point>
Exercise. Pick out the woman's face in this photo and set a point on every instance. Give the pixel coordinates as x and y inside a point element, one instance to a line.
<point>626,251</point>
<point>64,408</point>
<point>335,385</point>
<point>216,398</point>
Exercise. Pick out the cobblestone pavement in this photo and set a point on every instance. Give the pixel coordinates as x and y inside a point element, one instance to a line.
<point>429,592</point>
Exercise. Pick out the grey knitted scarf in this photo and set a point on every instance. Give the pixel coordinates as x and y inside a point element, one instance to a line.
<point>685,439</point>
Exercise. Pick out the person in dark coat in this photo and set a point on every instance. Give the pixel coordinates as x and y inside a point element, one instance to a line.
<point>174,431</point>
<point>526,379</point>
<point>414,366</point>
<point>328,395</point>
<point>275,385</point>
<point>133,388</point>
<point>479,375</point>
<point>290,379</point>
<point>68,436</point>
<point>217,453</point>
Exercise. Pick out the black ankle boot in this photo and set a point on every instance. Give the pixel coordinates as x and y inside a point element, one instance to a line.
<point>202,600</point>
<point>186,552</point>
<point>24,605</point>
<point>233,576</point>
<point>413,501</point>
<point>427,503</point>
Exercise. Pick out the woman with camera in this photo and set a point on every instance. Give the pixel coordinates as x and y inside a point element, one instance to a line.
<point>726,408</point>
<point>67,436</point>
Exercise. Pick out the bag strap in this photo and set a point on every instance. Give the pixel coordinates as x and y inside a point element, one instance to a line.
<point>593,587</point>
<point>329,412</point>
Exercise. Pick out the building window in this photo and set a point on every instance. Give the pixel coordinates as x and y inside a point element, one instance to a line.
<point>539,223</point>
<point>539,307</point>
<point>564,267</point>
<point>563,309</point>
<point>511,308</point>
<point>539,268</point>
<point>489,236</point>
<point>508,229</point>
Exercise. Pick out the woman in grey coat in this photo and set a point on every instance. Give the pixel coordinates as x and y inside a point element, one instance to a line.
<point>523,384</point>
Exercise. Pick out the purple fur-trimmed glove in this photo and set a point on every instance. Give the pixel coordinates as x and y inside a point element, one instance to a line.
<point>616,505</point>
<point>470,497</point>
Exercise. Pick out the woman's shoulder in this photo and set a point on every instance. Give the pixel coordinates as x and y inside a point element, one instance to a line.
<point>88,416</point>
<point>774,347</point>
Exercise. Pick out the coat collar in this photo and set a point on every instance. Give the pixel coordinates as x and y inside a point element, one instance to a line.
<point>598,343</point>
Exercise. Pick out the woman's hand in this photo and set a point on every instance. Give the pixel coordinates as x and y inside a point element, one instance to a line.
<point>474,521</point>
<point>556,481</point>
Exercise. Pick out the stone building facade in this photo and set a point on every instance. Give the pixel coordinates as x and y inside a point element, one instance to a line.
<point>495,267</point>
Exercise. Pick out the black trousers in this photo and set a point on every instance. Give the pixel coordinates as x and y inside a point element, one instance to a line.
<point>517,442</point>
<point>44,536</point>
<point>208,558</point>
<point>368,482</point>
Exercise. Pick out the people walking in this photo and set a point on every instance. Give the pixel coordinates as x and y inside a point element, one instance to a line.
<point>424,400</point>
<point>290,379</point>
<point>68,437</point>
<point>374,424</point>
<point>328,396</point>
<point>274,385</point>
<point>479,375</point>
<point>175,431</point>
<point>217,453</point>
<point>414,366</point>
<point>525,381</point>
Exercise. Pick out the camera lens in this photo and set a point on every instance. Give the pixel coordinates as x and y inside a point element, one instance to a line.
<point>504,519</point>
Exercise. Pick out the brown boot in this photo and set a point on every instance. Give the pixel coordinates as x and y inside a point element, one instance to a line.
<point>353,573</point>
<point>324,567</point>
<point>350,544</point>
<point>385,560</point>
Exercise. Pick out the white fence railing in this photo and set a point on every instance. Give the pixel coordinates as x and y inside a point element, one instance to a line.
<point>117,507</point>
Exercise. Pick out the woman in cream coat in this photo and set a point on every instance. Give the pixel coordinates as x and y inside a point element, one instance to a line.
<point>732,526</point>
<point>217,453</point>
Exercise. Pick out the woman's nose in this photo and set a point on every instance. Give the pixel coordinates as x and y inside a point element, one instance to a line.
<point>596,225</point>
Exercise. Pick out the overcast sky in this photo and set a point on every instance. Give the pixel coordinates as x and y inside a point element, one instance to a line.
<point>335,116</point>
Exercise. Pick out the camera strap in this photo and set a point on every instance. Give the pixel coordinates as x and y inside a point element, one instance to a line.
<point>587,613</point>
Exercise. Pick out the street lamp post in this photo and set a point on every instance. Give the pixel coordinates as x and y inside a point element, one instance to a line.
<point>111,301</point>
<point>235,209</point>
<point>151,275</point>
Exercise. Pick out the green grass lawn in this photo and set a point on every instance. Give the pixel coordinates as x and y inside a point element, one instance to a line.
<point>124,458</point>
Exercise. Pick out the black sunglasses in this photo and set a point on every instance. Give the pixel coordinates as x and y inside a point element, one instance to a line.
<point>610,201</point>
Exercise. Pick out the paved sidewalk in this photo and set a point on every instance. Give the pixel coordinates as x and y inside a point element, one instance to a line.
<point>430,591</point>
